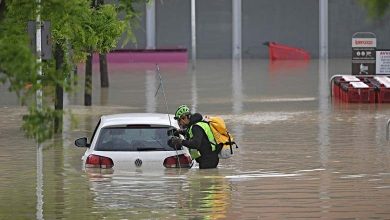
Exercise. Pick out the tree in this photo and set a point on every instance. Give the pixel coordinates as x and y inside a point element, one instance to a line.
<point>105,31</point>
<point>76,28</point>
<point>103,61</point>
<point>124,7</point>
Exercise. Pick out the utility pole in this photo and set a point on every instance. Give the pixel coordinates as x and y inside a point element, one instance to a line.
<point>39,54</point>
<point>151,25</point>
<point>236,38</point>
<point>39,188</point>
<point>193,31</point>
<point>323,14</point>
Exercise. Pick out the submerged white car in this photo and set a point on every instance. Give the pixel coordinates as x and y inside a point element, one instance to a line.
<point>133,141</point>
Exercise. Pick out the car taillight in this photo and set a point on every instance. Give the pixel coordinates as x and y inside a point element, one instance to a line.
<point>95,161</point>
<point>178,161</point>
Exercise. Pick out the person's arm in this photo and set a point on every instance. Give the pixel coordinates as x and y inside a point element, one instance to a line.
<point>195,141</point>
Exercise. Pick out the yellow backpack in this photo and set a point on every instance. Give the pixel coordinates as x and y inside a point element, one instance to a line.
<point>222,137</point>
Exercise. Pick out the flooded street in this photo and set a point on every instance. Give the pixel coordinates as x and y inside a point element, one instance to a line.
<point>301,154</point>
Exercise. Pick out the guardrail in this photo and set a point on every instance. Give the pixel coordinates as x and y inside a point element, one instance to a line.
<point>331,96</point>
<point>334,76</point>
<point>387,129</point>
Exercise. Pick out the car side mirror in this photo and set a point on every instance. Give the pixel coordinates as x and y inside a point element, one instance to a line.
<point>81,142</point>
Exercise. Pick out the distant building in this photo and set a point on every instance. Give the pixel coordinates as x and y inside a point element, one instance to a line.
<point>293,22</point>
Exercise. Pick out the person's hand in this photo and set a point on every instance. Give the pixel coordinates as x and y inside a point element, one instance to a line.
<point>181,132</point>
<point>176,132</point>
<point>175,142</point>
<point>172,132</point>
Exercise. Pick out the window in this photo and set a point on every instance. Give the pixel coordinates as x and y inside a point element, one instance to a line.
<point>133,138</point>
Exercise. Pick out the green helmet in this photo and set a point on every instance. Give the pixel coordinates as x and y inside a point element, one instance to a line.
<point>182,110</point>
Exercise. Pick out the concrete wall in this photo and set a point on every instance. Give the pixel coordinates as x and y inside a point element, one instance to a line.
<point>347,17</point>
<point>139,30</point>
<point>173,24</point>
<point>214,28</point>
<point>293,22</point>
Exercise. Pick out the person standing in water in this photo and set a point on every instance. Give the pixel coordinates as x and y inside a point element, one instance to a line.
<point>199,138</point>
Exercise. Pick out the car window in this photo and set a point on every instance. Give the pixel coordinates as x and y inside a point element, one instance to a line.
<point>133,138</point>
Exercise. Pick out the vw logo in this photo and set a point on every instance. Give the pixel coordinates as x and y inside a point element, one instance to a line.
<point>138,162</point>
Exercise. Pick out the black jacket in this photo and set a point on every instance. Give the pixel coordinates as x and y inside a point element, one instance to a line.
<point>200,141</point>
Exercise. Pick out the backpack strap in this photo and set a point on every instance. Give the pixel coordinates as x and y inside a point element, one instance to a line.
<point>231,149</point>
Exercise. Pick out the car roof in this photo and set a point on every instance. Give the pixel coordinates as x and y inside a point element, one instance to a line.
<point>138,118</point>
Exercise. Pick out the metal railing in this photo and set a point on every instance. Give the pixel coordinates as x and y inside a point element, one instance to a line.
<point>387,129</point>
<point>334,76</point>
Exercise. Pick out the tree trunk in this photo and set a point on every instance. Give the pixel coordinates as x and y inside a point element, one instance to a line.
<point>103,70</point>
<point>2,9</point>
<point>102,57</point>
<point>74,75</point>
<point>88,81</point>
<point>59,99</point>
<point>99,2</point>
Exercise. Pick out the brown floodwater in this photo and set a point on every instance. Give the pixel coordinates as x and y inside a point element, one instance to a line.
<point>301,154</point>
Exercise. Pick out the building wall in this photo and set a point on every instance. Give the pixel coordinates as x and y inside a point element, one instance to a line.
<point>173,24</point>
<point>214,28</point>
<point>292,22</point>
<point>139,30</point>
<point>347,17</point>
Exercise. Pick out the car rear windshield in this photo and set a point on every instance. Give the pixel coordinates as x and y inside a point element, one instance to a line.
<point>133,138</point>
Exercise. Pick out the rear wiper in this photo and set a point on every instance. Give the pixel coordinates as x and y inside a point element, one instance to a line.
<point>150,149</point>
<point>154,139</point>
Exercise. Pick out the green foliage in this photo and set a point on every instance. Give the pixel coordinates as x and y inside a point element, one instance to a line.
<point>106,28</point>
<point>131,18</point>
<point>39,124</point>
<point>376,8</point>
<point>71,21</point>
<point>17,62</point>
<point>76,27</point>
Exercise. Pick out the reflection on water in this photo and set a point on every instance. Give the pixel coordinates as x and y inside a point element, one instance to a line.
<point>301,154</point>
<point>39,182</point>
<point>184,193</point>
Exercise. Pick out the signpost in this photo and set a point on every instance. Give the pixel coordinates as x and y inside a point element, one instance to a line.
<point>383,62</point>
<point>46,51</point>
<point>363,53</point>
